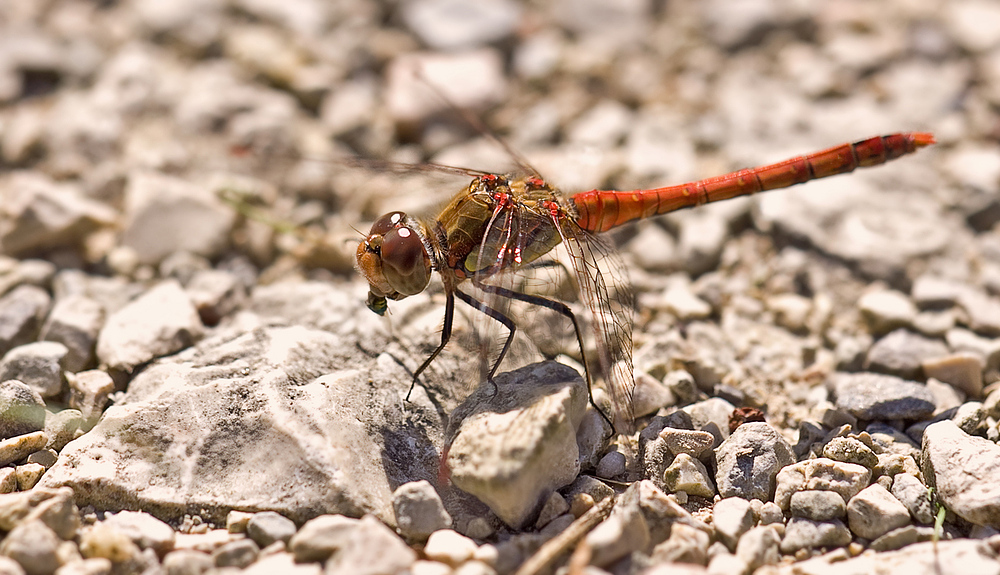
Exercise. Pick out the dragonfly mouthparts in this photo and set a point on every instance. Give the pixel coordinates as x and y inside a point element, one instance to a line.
<point>377,303</point>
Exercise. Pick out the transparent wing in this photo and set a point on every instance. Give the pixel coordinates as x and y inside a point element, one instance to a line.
<point>602,282</point>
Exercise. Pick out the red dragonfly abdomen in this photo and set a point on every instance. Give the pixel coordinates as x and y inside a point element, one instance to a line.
<point>601,210</point>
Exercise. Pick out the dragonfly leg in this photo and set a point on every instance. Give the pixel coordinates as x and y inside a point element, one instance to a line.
<point>449,316</point>
<point>561,309</point>
<point>500,317</point>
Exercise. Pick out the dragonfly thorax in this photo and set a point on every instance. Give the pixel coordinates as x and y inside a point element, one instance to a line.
<point>394,259</point>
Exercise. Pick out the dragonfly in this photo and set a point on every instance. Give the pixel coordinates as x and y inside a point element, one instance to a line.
<point>500,224</point>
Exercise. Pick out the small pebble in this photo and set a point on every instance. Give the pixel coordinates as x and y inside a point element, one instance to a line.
<point>874,512</point>
<point>732,518</point>
<point>962,370</point>
<point>321,537</point>
<point>419,510</point>
<point>611,465</point>
<point>236,521</point>
<point>239,553</point>
<point>268,527</point>
<point>28,475</point>
<point>850,450</point>
<point>450,547</point>
<point>187,562</point>
<point>22,409</point>
<point>817,505</point>
<point>34,546</point>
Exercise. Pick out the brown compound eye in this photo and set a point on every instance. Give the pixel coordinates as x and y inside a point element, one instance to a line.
<point>405,261</point>
<point>386,223</point>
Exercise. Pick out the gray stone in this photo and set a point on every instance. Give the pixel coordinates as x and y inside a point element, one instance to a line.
<point>272,404</point>
<point>44,457</point>
<point>144,530</point>
<point>27,475</point>
<point>284,563</point>
<point>769,513</point>
<point>650,395</point>
<point>611,465</point>
<point>974,558</point>
<point>37,365</point>
<point>623,532</point>
<point>689,475</point>
<point>267,527</point>
<point>686,545</point>
<point>713,410</point>
<point>187,562</point>
<point>969,417</point>
<point>809,433</point>
<point>17,448</point>
<point>57,510</point>
<point>419,510</point>
<point>892,464</point>
<point>75,321</point>
<point>501,434</point>
<point>850,450</point>
<point>817,505</point>
<point>81,566</point>
<point>643,516</point>
<point>371,549</point>
<point>159,322</point>
<point>682,384</point>
<point>680,301</point>
<point>732,517</point>
<point>759,547</point>
<point>887,310</point>
<point>555,506</point>
<point>8,480</point>
<point>693,443</point>
<point>945,396</point>
<point>34,546</point>
<point>803,533</point>
<point>215,294</point>
<point>450,25</point>
<point>902,353</point>
<point>906,535</point>
<point>21,313</point>
<point>239,553</point>
<point>321,537</point>
<point>22,409</point>
<point>89,392</point>
<point>42,214</point>
<point>236,521</point>
<point>874,512</point>
<point>62,427</point>
<point>963,370</point>
<point>845,479</point>
<point>961,467</point>
<point>103,540</point>
<point>873,396</point>
<point>408,100</point>
<point>164,215</point>
<point>749,460</point>
<point>449,547</point>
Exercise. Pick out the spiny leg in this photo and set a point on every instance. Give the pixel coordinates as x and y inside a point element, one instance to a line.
<point>561,309</point>
<point>498,316</point>
<point>449,316</point>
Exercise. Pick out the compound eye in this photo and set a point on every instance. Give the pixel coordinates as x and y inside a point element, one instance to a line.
<point>404,261</point>
<point>386,223</point>
<point>402,250</point>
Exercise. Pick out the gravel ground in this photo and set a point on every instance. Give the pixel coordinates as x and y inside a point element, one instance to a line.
<point>188,386</point>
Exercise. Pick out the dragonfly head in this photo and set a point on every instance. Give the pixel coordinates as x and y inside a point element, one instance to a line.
<point>394,260</point>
